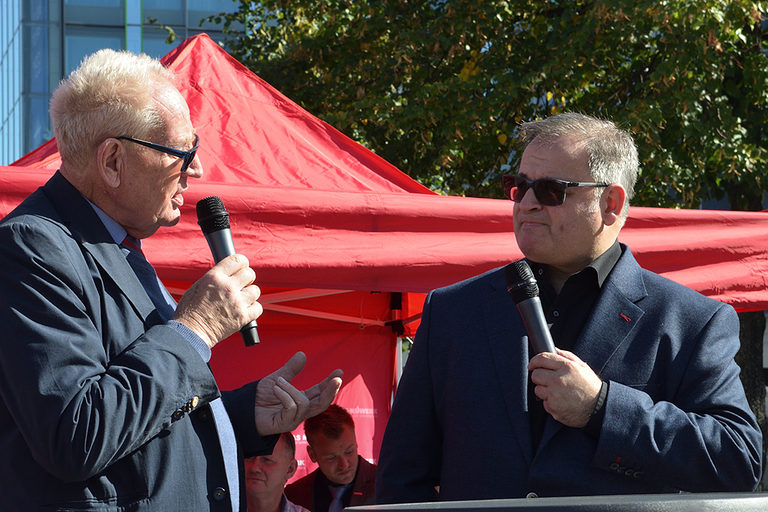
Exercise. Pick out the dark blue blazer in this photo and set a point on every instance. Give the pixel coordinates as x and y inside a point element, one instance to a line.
<point>676,418</point>
<point>103,407</point>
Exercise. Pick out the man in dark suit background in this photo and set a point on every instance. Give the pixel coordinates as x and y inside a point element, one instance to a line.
<point>343,478</point>
<point>643,394</point>
<point>107,399</point>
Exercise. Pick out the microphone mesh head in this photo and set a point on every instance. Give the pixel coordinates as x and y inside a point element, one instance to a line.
<point>211,215</point>
<point>521,284</point>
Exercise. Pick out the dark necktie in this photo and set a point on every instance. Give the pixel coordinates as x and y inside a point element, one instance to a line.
<point>147,277</point>
<point>337,493</point>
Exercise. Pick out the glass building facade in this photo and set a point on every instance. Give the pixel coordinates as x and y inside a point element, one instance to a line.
<point>41,41</point>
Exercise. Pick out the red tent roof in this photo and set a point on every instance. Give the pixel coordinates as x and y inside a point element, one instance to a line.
<point>311,207</point>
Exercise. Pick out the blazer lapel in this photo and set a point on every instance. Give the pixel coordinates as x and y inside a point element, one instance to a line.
<point>78,216</point>
<point>509,349</point>
<point>615,315</point>
<point>112,261</point>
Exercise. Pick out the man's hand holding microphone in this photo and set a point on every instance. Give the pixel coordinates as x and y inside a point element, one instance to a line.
<point>224,300</point>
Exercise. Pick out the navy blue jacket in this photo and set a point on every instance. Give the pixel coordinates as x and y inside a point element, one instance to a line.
<point>103,407</point>
<point>676,417</point>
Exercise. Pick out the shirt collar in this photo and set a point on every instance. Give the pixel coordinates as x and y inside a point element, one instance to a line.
<point>116,231</point>
<point>600,267</point>
<point>604,263</point>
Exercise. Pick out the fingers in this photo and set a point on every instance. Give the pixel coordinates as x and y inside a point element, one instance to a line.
<point>327,392</point>
<point>238,275</point>
<point>293,366</point>
<point>222,301</point>
<point>322,394</point>
<point>545,360</point>
<point>331,382</point>
<point>566,385</point>
<point>568,355</point>
<point>276,418</point>
<point>547,368</point>
<point>292,399</point>
<point>294,406</point>
<point>233,264</point>
<point>280,407</point>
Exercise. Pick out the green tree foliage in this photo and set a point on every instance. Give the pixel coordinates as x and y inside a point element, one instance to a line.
<point>438,87</point>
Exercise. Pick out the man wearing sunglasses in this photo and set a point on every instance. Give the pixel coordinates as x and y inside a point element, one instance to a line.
<point>107,399</point>
<point>643,394</point>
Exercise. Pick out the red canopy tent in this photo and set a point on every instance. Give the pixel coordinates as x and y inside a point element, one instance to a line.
<point>338,236</point>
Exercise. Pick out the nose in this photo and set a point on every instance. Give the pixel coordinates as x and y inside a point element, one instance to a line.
<point>195,169</point>
<point>529,201</point>
<point>343,463</point>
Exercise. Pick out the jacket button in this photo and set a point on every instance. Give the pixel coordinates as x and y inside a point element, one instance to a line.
<point>195,401</point>
<point>219,493</point>
<point>531,495</point>
<point>176,416</point>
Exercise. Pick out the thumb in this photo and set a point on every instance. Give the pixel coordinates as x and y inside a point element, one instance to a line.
<point>293,366</point>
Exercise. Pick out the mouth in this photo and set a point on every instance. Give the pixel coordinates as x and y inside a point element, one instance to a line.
<point>178,200</point>
<point>526,223</point>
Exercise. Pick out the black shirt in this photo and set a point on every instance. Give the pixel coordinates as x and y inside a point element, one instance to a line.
<point>566,314</point>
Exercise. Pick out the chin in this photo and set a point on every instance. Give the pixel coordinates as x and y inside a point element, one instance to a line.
<point>346,480</point>
<point>171,220</point>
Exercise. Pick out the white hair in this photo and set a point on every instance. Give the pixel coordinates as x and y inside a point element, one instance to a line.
<point>108,95</point>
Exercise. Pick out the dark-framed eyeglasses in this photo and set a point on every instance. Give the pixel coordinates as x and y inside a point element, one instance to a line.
<point>548,191</point>
<point>188,156</point>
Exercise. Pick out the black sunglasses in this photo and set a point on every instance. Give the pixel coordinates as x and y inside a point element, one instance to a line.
<point>188,156</point>
<point>548,191</point>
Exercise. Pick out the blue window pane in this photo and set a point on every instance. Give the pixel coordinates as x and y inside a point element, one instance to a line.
<point>36,54</point>
<point>166,12</point>
<point>94,3</point>
<point>154,43</point>
<point>95,12</point>
<point>80,42</point>
<point>36,10</point>
<point>201,9</point>
<point>38,123</point>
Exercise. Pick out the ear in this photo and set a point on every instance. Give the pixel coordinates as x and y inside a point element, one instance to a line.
<point>292,467</point>
<point>612,203</point>
<point>111,162</point>
<point>311,454</point>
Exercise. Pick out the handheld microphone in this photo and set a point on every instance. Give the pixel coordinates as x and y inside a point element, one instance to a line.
<point>214,221</point>
<point>522,287</point>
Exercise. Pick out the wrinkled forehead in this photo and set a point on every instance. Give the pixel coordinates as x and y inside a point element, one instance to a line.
<point>174,111</point>
<point>565,158</point>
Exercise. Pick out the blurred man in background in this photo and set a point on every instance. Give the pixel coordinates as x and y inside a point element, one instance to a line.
<point>343,478</point>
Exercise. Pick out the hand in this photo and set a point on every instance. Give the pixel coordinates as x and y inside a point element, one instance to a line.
<point>280,407</point>
<point>222,301</point>
<point>566,385</point>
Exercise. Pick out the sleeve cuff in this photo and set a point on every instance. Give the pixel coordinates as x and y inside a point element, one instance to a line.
<point>595,422</point>
<point>196,341</point>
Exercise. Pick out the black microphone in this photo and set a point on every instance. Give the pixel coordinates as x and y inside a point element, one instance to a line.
<point>522,287</point>
<point>214,221</point>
